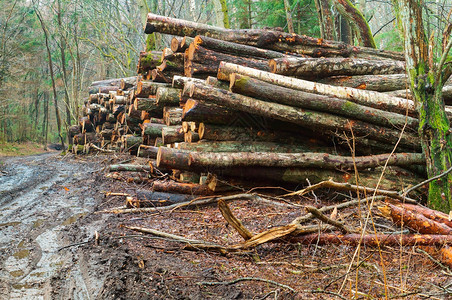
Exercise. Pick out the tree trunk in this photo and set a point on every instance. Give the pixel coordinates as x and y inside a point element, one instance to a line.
<point>326,20</point>
<point>426,85</point>
<point>363,97</point>
<point>356,20</point>
<point>265,91</point>
<point>288,16</point>
<point>324,67</point>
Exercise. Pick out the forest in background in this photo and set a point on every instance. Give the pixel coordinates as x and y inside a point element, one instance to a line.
<point>83,41</point>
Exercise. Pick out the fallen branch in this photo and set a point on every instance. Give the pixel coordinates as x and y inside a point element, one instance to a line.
<point>353,188</point>
<point>318,214</point>
<point>247,279</point>
<point>233,221</point>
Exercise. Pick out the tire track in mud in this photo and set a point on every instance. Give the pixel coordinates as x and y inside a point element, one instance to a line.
<point>40,197</point>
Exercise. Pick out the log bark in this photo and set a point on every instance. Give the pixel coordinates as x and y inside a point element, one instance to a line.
<point>363,97</point>
<point>167,96</point>
<point>373,240</point>
<point>179,81</point>
<point>417,222</point>
<point>196,111</point>
<point>113,82</point>
<point>172,134</point>
<point>275,40</point>
<point>301,160</point>
<point>147,151</point>
<point>262,90</point>
<point>250,146</point>
<point>316,121</point>
<point>129,168</point>
<point>182,44</point>
<point>148,88</point>
<point>169,158</point>
<point>172,115</point>
<point>172,62</point>
<point>236,49</point>
<point>434,215</point>
<point>153,198</point>
<point>323,67</point>
<point>149,105</point>
<point>379,83</point>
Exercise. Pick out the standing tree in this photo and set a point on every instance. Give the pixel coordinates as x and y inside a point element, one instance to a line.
<point>427,77</point>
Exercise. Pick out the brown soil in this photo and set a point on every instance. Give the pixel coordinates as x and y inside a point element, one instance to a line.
<point>124,264</point>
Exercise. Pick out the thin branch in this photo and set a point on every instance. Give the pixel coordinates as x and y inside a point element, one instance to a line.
<point>247,279</point>
<point>427,181</point>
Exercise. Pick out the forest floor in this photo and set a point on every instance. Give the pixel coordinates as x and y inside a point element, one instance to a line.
<point>51,214</point>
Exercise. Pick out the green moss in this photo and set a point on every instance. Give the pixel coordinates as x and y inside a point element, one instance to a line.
<point>150,42</point>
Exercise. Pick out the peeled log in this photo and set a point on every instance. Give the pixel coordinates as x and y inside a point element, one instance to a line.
<point>265,91</point>
<point>379,83</point>
<point>316,121</point>
<point>301,160</point>
<point>363,97</point>
<point>324,67</point>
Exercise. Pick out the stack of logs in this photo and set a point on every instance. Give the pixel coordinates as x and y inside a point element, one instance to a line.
<point>257,106</point>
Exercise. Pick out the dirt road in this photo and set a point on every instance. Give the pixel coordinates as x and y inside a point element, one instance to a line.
<point>40,197</point>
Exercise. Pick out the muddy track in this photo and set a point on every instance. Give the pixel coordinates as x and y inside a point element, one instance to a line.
<point>41,198</point>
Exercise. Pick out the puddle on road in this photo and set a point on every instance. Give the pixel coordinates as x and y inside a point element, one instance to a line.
<point>73,219</point>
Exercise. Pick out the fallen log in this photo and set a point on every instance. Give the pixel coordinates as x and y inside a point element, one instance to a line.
<point>146,198</point>
<point>330,66</point>
<point>367,98</point>
<point>266,91</point>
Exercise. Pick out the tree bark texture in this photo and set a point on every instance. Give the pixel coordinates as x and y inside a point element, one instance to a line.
<point>363,97</point>
<point>315,121</point>
<point>331,66</point>
<point>379,83</point>
<point>265,91</point>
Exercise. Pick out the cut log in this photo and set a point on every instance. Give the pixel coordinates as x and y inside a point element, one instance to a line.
<point>379,83</point>
<point>127,83</point>
<point>181,44</point>
<point>262,90</point>
<point>316,121</point>
<point>167,96</point>
<point>172,62</point>
<point>363,97</point>
<point>148,88</point>
<point>434,215</point>
<point>172,115</point>
<point>196,111</point>
<point>147,151</point>
<point>129,168</point>
<point>324,67</point>
<point>131,142</point>
<point>237,146</point>
<point>172,134</point>
<point>145,198</point>
<point>149,105</point>
<point>275,40</point>
<point>373,240</point>
<point>191,137</point>
<point>212,59</point>
<point>417,222</point>
<point>236,49</point>
<point>179,81</point>
<point>302,160</point>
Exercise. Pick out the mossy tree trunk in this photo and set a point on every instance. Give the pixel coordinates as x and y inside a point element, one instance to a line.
<point>426,82</point>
